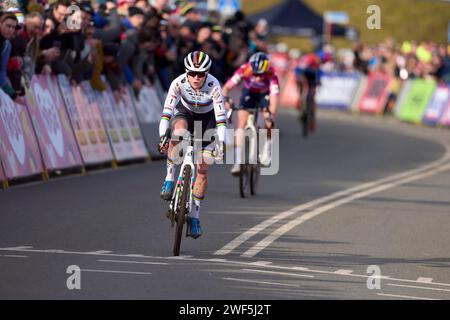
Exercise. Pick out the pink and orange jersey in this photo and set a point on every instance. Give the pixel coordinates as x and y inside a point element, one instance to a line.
<point>266,82</point>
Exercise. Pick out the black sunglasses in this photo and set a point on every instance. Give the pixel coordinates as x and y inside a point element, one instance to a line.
<point>194,74</point>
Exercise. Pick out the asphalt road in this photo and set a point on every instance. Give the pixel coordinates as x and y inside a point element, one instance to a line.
<point>362,194</point>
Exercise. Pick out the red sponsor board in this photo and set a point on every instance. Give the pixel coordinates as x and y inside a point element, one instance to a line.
<point>290,95</point>
<point>375,94</point>
<point>52,126</point>
<point>280,63</point>
<point>96,131</point>
<point>19,150</point>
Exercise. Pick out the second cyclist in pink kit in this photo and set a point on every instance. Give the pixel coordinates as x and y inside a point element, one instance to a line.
<point>261,87</point>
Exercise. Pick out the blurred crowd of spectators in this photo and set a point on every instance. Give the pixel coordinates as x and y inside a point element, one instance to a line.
<point>133,42</point>
<point>406,60</point>
<point>402,61</point>
<point>123,41</point>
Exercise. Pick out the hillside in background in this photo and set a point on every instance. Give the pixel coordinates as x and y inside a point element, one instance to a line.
<point>401,19</point>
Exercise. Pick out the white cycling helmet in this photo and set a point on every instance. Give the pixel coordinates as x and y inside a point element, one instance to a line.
<point>197,61</point>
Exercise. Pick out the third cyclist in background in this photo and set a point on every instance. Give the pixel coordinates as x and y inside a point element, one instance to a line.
<point>308,78</point>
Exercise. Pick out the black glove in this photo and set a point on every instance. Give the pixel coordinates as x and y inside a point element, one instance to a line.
<point>219,151</point>
<point>163,144</point>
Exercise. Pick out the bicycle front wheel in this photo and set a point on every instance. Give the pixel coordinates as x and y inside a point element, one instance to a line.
<point>254,178</point>
<point>305,121</point>
<point>182,210</point>
<point>245,173</point>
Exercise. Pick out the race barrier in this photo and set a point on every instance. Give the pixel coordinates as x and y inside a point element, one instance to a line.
<point>3,180</point>
<point>137,140</point>
<point>122,126</point>
<point>84,114</point>
<point>64,126</point>
<point>19,149</point>
<point>445,117</point>
<point>86,100</point>
<point>359,93</point>
<point>437,105</point>
<point>404,90</point>
<point>375,94</point>
<point>149,108</point>
<point>416,100</point>
<point>337,90</point>
<point>289,95</point>
<point>53,130</point>
<point>118,134</point>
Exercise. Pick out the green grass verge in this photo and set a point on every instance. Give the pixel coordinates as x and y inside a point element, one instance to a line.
<point>402,19</point>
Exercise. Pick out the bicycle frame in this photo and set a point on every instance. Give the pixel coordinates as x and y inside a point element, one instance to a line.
<point>188,160</point>
<point>252,125</point>
<point>253,143</point>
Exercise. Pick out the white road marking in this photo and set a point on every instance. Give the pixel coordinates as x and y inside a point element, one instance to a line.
<point>285,214</point>
<point>99,252</point>
<point>343,271</point>
<point>425,280</point>
<point>225,261</point>
<point>405,297</point>
<point>417,287</point>
<point>217,260</point>
<point>300,268</point>
<point>14,256</point>
<point>263,282</point>
<point>268,240</point>
<point>18,248</point>
<point>280,273</point>
<point>136,262</point>
<point>261,263</point>
<point>115,271</point>
<point>179,257</point>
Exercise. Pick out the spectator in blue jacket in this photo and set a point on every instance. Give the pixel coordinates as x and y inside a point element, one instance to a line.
<point>8,24</point>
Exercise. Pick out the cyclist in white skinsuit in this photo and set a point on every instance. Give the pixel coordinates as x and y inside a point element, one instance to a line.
<point>193,96</point>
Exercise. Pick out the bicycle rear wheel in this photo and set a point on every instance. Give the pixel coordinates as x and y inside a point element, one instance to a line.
<point>182,210</point>
<point>312,120</point>
<point>254,178</point>
<point>245,172</point>
<point>310,123</point>
<point>305,122</point>
<point>244,180</point>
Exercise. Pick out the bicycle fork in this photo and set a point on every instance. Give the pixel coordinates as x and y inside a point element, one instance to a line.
<point>253,140</point>
<point>176,197</point>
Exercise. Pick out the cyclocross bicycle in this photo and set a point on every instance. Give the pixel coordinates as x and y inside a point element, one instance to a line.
<point>308,114</point>
<point>251,167</point>
<point>181,203</point>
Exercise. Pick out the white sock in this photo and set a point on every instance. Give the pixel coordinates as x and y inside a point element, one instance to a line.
<point>170,170</point>
<point>195,212</point>
<point>238,155</point>
<point>268,146</point>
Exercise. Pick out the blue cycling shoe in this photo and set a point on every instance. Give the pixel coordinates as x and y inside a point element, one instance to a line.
<point>195,230</point>
<point>167,190</point>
